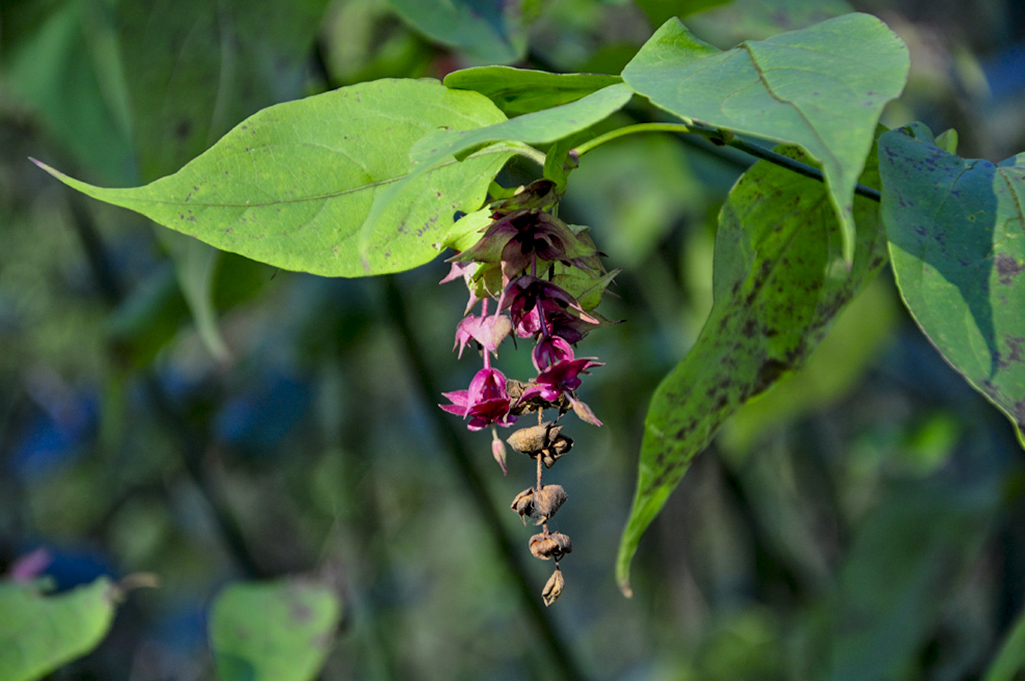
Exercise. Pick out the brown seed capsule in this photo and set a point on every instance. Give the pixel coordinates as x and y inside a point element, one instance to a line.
<point>531,439</point>
<point>550,545</point>
<point>559,445</point>
<point>539,504</point>
<point>524,504</point>
<point>547,501</point>
<point>553,588</point>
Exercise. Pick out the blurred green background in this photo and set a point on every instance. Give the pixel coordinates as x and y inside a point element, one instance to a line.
<point>165,408</point>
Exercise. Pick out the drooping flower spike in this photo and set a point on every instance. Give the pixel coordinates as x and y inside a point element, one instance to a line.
<point>524,239</point>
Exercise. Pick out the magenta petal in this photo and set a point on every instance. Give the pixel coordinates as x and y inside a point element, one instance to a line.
<point>460,403</point>
<point>488,331</point>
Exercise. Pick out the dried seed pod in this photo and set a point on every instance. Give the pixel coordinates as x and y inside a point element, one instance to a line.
<point>559,445</point>
<point>553,588</point>
<point>539,504</point>
<point>550,545</point>
<point>547,501</point>
<point>524,504</point>
<point>531,439</point>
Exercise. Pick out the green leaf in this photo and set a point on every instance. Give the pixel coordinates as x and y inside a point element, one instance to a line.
<point>273,631</point>
<point>490,31</point>
<point>519,91</point>
<point>293,185</point>
<point>534,128</point>
<point>859,334</point>
<point>779,278</point>
<point>1011,658</point>
<point>958,248</point>
<point>822,88</point>
<point>40,633</point>
<point>467,230</point>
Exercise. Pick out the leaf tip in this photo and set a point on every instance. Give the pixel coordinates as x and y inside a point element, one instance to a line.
<point>40,164</point>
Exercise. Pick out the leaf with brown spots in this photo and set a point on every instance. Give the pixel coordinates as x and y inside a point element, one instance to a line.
<point>779,279</point>
<point>957,240</point>
<point>273,631</point>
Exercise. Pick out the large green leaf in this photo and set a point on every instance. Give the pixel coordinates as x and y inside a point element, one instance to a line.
<point>274,631</point>
<point>519,91</point>
<point>860,333</point>
<point>292,185</point>
<point>822,88</point>
<point>779,278</point>
<point>957,239</point>
<point>544,126</point>
<point>539,127</point>
<point>490,31</point>
<point>41,633</point>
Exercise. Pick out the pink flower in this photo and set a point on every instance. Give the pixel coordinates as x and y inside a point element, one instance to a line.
<point>485,402</point>
<point>561,377</point>
<point>550,350</point>
<point>533,302</point>
<point>488,331</point>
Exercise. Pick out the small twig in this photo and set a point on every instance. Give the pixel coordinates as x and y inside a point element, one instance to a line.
<point>720,139</point>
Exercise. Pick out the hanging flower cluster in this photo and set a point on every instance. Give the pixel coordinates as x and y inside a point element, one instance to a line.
<point>544,279</point>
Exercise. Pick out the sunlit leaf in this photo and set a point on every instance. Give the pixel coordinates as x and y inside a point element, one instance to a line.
<point>293,185</point>
<point>274,631</point>
<point>958,248</point>
<point>779,279</point>
<point>519,91</point>
<point>822,88</point>
<point>539,127</point>
<point>41,633</point>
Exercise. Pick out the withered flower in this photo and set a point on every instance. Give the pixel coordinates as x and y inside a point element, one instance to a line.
<point>539,504</point>
<point>553,588</point>
<point>550,545</point>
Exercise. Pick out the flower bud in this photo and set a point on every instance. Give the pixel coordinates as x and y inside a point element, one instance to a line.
<point>553,588</point>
